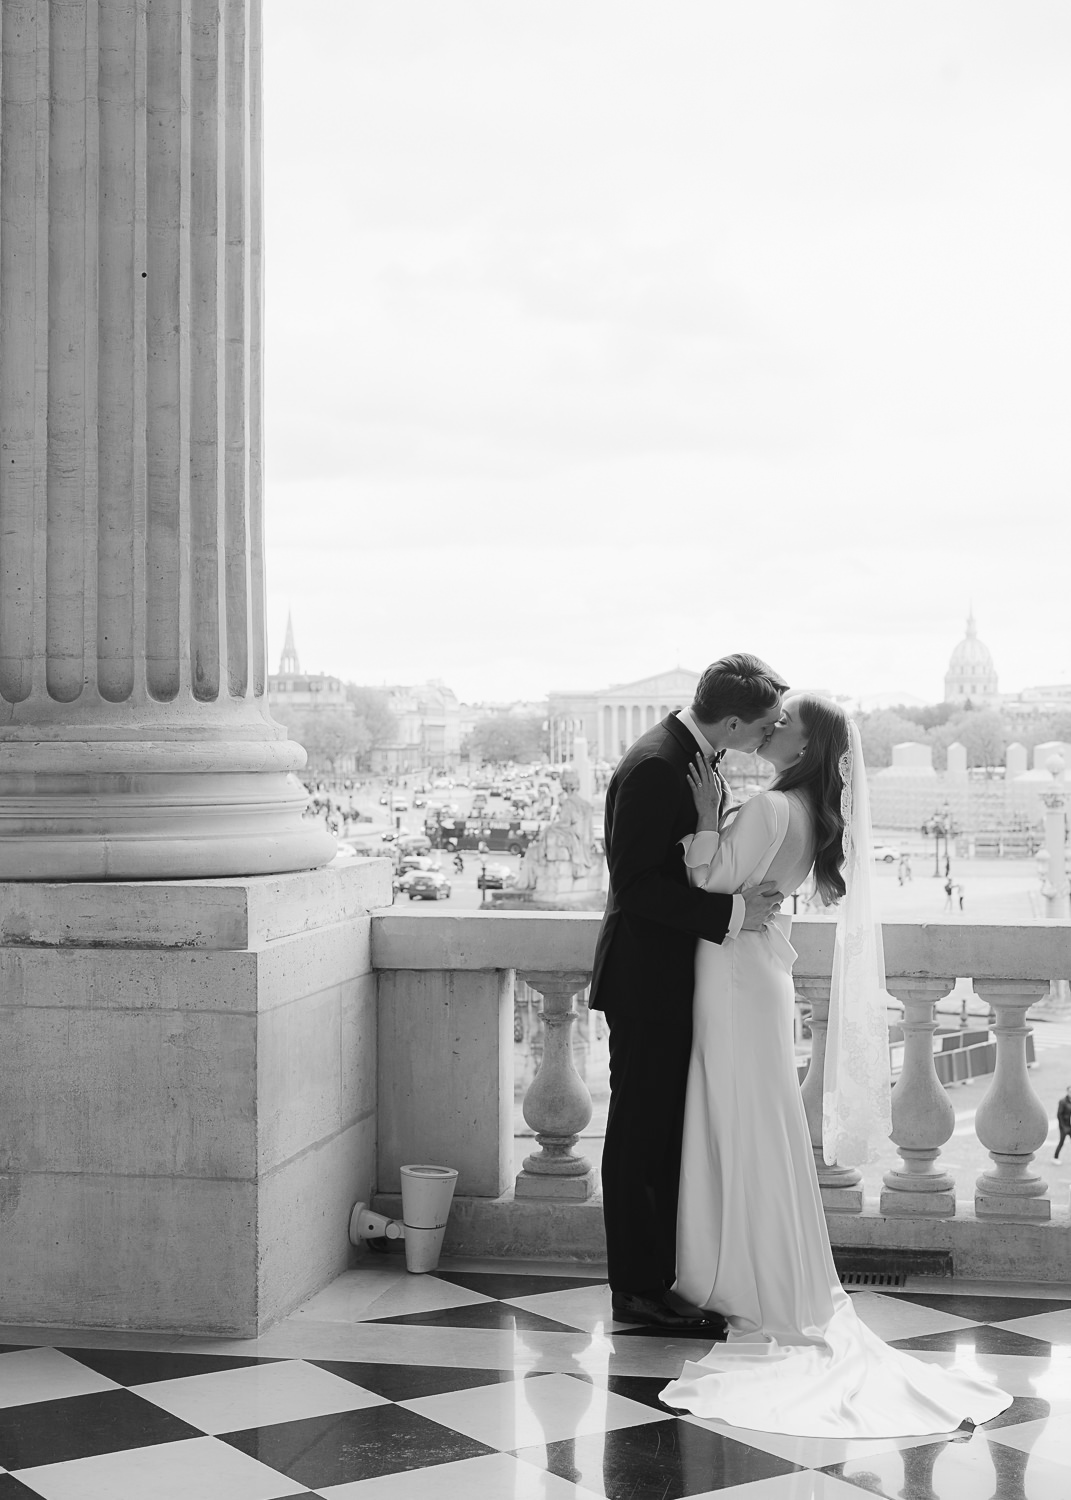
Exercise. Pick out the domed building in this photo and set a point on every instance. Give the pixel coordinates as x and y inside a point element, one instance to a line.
<point>971,675</point>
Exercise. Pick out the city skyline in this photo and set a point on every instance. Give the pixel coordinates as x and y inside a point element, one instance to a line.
<point>862,700</point>
<point>756,342</point>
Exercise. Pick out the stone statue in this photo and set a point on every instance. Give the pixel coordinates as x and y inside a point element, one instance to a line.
<point>563,859</point>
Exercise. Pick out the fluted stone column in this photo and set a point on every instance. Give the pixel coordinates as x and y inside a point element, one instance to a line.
<point>841,1187</point>
<point>923,1116</point>
<point>135,738</point>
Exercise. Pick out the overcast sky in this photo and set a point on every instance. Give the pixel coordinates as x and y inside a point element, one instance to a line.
<point>606,336</point>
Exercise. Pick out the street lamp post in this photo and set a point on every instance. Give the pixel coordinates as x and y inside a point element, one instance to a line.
<point>941,826</point>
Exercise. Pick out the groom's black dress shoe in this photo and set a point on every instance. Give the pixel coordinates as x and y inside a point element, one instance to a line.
<point>653,1312</point>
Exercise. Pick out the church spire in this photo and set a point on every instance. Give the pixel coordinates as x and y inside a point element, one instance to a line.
<point>289,665</point>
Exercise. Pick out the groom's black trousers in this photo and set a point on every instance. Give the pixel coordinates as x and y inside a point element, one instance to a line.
<point>641,1159</point>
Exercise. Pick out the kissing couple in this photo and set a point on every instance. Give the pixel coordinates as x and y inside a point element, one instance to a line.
<point>714,1220</point>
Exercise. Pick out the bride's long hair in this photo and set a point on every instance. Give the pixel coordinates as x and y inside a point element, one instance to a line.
<point>817,775</point>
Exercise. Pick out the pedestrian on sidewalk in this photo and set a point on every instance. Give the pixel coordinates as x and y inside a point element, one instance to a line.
<point>1063,1120</point>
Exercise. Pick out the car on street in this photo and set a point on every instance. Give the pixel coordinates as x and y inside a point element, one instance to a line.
<point>428,885</point>
<point>413,865</point>
<point>495,877</point>
<point>401,804</point>
<point>886,853</point>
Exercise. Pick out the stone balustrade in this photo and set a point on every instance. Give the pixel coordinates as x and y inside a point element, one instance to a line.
<point>445,993</point>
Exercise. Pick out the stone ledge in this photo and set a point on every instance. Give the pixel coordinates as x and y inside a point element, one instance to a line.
<point>233,914</point>
<point>1038,949</point>
<point>981,1249</point>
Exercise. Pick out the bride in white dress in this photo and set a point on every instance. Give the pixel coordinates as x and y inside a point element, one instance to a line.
<point>752,1242</point>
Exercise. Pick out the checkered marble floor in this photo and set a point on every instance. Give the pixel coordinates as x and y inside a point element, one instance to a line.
<point>502,1381</point>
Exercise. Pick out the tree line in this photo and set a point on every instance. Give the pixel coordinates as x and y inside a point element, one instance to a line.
<point>985,733</point>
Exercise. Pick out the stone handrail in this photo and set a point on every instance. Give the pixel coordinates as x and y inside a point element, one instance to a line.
<point>477,954</point>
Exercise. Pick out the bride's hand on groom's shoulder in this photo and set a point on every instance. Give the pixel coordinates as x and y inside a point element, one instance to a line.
<point>710,794</point>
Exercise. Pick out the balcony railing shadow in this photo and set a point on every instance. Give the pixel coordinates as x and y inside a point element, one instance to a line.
<point>462,996</point>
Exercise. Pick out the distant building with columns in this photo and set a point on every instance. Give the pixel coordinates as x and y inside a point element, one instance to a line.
<point>611,718</point>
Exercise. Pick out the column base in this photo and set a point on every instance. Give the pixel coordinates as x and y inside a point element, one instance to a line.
<point>842,1200</point>
<point>1011,1208</point>
<point>576,1189</point>
<point>155,810</point>
<point>911,1205</point>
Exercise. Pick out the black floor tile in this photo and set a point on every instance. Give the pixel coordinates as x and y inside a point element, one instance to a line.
<point>983,1309</point>
<point>980,1336</point>
<point>14,1489</point>
<point>51,1432</point>
<point>352,1445</point>
<point>501,1285</point>
<point>481,1315</point>
<point>670,1460</point>
<point>646,1331</point>
<point>140,1366</point>
<point>641,1388</point>
<point>407,1382</point>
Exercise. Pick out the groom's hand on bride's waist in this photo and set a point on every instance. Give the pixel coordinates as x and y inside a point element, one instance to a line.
<point>760,903</point>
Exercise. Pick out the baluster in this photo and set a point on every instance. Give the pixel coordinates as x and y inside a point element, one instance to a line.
<point>1011,1121</point>
<point>841,1188</point>
<point>558,1105</point>
<point>923,1116</point>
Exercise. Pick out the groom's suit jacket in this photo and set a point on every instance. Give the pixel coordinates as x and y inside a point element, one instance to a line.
<point>645,953</point>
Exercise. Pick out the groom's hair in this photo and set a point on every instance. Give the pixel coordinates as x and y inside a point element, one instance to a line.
<point>742,686</point>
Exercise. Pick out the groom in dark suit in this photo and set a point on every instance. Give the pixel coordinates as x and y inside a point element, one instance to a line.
<point>644,971</point>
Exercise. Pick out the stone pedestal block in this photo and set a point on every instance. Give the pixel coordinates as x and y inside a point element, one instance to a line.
<point>446,1076</point>
<point>188,1077</point>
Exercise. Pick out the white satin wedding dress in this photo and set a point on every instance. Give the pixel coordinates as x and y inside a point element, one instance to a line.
<point>752,1242</point>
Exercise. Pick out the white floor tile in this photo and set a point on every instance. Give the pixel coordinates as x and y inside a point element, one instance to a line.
<point>256,1396</point>
<point>588,1308</point>
<point>1045,1437</point>
<point>1017,1374</point>
<point>201,1467</point>
<point>28,1375</point>
<point>357,1295</point>
<point>349,1295</point>
<point>1054,1326</point>
<point>496,1477</point>
<point>803,1486</point>
<point>399,1344</point>
<point>896,1318</point>
<point>543,1409</point>
<point>595,1269</point>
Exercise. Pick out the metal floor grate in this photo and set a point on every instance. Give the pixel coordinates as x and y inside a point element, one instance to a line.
<point>873,1278</point>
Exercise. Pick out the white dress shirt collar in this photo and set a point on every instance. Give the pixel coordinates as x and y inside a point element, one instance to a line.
<point>686,718</point>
